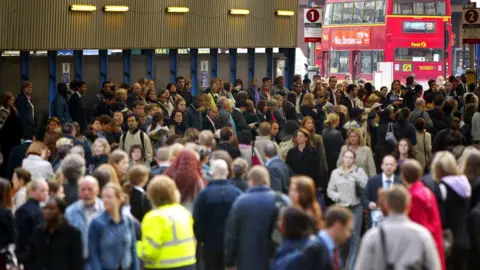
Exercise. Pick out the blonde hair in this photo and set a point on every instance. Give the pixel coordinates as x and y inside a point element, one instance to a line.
<point>121,92</point>
<point>103,142</point>
<point>468,151</point>
<point>117,156</point>
<point>357,131</point>
<point>331,119</point>
<point>308,100</point>
<point>443,164</point>
<point>111,172</point>
<point>63,141</point>
<point>163,190</point>
<point>174,150</point>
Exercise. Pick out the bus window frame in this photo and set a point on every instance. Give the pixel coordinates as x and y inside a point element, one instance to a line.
<point>328,14</point>
<point>340,4</point>
<point>333,60</point>
<point>373,11</point>
<point>441,54</point>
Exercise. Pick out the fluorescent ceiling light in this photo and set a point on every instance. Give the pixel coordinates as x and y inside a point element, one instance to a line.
<point>82,8</point>
<point>116,8</point>
<point>285,12</point>
<point>178,9</point>
<point>235,11</point>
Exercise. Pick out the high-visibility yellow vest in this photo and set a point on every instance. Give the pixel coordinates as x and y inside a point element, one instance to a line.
<point>167,238</point>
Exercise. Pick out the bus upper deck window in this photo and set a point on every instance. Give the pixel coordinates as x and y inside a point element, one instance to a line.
<point>369,12</point>
<point>328,14</point>
<point>347,13</point>
<point>357,12</point>
<point>337,13</point>
<point>380,11</point>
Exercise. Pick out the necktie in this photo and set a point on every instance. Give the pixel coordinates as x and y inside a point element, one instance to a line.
<point>389,183</point>
<point>336,257</point>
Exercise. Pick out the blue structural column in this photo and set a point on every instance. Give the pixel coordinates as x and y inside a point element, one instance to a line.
<point>52,78</point>
<point>269,52</point>
<point>233,65</point>
<point>173,64</point>
<point>251,64</point>
<point>477,57</point>
<point>24,70</point>
<point>78,64</point>
<point>150,54</point>
<point>289,53</point>
<point>194,55</point>
<point>103,66</point>
<point>127,69</point>
<point>214,60</point>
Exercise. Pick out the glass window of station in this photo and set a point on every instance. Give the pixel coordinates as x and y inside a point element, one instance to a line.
<point>358,12</point>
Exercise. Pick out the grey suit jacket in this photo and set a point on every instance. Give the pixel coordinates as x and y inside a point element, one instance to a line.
<point>279,175</point>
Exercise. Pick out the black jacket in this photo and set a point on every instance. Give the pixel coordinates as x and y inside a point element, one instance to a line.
<point>28,217</point>
<point>308,111</point>
<point>289,111</point>
<point>17,154</point>
<point>193,118</point>
<point>347,103</point>
<point>333,142</point>
<point>207,125</point>
<point>139,204</point>
<point>103,109</point>
<point>61,250</point>
<point>212,206</point>
<point>454,211</point>
<point>25,113</point>
<point>10,136</point>
<point>78,111</point>
<point>239,120</point>
<point>233,151</point>
<point>7,229</point>
<point>404,129</point>
<point>373,185</point>
<point>301,164</point>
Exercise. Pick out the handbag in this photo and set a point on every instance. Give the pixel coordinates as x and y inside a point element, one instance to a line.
<point>390,136</point>
<point>358,188</point>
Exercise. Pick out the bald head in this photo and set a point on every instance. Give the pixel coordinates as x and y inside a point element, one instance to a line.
<point>88,187</point>
<point>219,169</point>
<point>420,103</point>
<point>270,150</point>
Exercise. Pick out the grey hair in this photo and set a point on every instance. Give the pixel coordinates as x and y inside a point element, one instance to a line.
<point>219,169</point>
<point>270,150</point>
<point>73,167</point>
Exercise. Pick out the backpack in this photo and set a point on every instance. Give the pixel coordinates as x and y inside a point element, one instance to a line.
<point>122,139</point>
<point>293,260</point>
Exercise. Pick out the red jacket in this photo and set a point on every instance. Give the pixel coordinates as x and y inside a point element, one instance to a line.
<point>424,211</point>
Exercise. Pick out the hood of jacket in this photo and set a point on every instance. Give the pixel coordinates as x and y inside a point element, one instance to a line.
<point>459,184</point>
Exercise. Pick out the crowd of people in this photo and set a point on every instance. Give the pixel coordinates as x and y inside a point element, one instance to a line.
<point>326,175</point>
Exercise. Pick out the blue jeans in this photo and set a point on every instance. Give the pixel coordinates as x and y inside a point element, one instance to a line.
<point>350,248</point>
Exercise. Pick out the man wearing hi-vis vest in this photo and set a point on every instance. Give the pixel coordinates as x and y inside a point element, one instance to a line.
<point>167,241</point>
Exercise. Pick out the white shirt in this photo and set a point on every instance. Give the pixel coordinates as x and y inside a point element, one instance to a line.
<point>385,178</point>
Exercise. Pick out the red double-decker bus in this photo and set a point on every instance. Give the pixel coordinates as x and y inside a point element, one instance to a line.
<point>414,35</point>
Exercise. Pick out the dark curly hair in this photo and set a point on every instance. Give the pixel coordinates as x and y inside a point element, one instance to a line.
<point>411,153</point>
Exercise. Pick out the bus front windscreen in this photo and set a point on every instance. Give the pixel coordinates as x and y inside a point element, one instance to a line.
<point>411,7</point>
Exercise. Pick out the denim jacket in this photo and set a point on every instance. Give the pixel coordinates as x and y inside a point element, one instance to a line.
<point>112,245</point>
<point>75,214</point>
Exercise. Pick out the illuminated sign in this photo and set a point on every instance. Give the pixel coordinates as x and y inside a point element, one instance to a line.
<point>418,44</point>
<point>419,27</point>
<point>351,37</point>
<point>426,68</point>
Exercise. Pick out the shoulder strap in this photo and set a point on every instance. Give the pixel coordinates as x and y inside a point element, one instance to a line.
<point>384,246</point>
<point>122,139</point>
<point>141,139</point>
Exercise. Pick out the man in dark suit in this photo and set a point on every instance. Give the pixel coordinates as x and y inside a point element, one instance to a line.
<point>25,108</point>
<point>349,100</point>
<point>17,154</point>
<point>210,122</point>
<point>277,168</point>
<point>384,180</point>
<point>193,117</point>
<point>76,105</point>
<point>289,107</point>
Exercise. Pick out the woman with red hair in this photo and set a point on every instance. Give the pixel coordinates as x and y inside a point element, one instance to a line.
<point>186,173</point>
